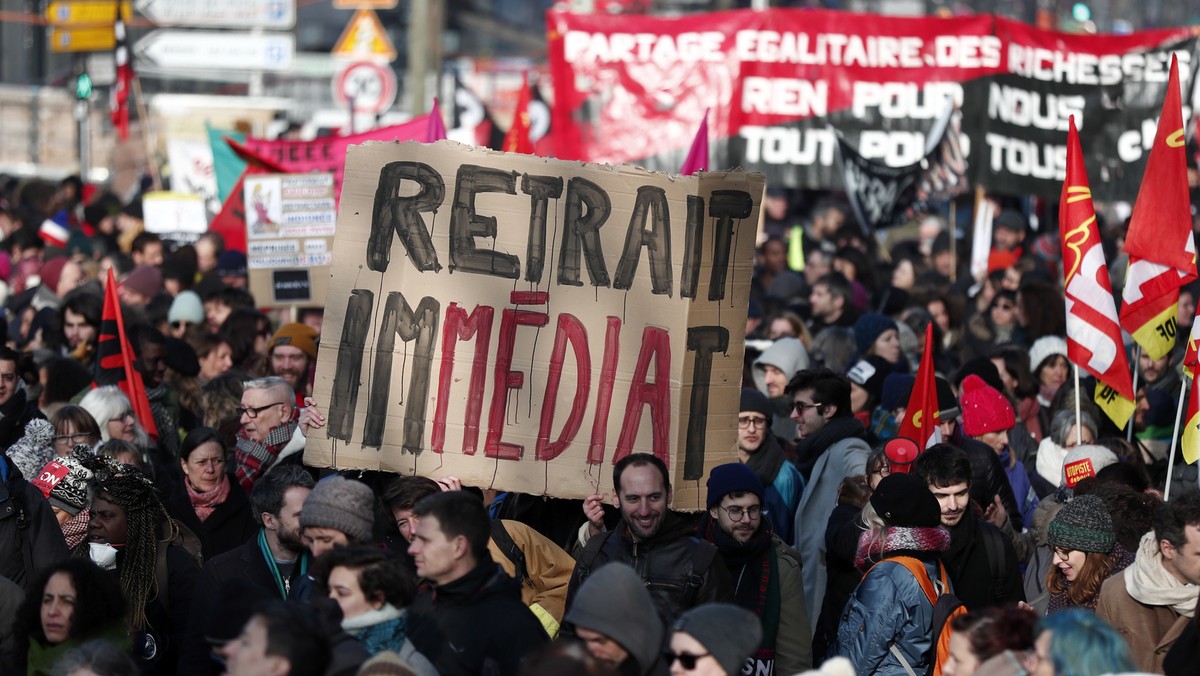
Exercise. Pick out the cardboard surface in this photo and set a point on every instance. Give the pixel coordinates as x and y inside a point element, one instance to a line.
<point>290,221</point>
<point>457,343</point>
<point>176,216</point>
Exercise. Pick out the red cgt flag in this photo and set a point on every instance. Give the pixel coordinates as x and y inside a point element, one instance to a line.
<point>517,140</point>
<point>921,415</point>
<point>1093,335</point>
<point>1162,253</point>
<point>115,357</point>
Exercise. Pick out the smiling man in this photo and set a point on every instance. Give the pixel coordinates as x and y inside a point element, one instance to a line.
<point>681,570</point>
<point>981,561</point>
<point>469,619</point>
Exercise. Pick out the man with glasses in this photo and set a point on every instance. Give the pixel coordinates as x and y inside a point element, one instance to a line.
<point>758,448</point>
<point>832,447</point>
<point>758,560</point>
<point>270,432</point>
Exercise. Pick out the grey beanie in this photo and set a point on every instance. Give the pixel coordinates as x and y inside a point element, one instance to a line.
<point>342,504</point>
<point>730,633</point>
<point>607,601</point>
<point>1083,524</point>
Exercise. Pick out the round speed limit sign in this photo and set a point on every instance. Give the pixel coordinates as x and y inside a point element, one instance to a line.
<point>371,86</point>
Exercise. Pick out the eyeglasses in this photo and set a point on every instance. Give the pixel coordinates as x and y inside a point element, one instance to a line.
<point>123,415</point>
<point>746,421</point>
<point>686,660</point>
<point>736,513</point>
<point>799,406</point>
<point>883,470</point>
<point>73,439</point>
<point>252,412</point>
<point>1062,552</point>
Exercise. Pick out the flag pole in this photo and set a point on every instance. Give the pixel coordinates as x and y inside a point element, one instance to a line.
<point>1183,393</point>
<point>1137,361</point>
<point>144,116</point>
<point>1079,420</point>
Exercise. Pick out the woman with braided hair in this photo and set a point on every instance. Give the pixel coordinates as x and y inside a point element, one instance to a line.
<point>131,533</point>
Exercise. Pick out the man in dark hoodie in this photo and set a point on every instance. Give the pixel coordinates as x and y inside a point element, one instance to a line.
<point>766,569</point>
<point>468,617</point>
<point>758,448</point>
<point>615,618</point>
<point>681,570</point>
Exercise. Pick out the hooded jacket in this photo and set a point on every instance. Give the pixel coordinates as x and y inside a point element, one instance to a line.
<point>475,624</point>
<point>666,563</point>
<point>790,356</point>
<point>614,602</point>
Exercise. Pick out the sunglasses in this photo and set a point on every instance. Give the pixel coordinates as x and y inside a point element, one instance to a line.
<point>686,660</point>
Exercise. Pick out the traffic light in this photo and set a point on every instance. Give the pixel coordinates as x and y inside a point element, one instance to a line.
<point>83,87</point>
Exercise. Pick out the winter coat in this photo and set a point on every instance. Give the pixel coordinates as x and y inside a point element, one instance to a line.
<point>1022,488</point>
<point>385,629</point>
<point>841,546</point>
<point>982,564</point>
<point>666,562</point>
<point>227,528</point>
<point>988,478</point>
<point>840,460</point>
<point>475,624</point>
<point>793,645</point>
<point>548,568</point>
<point>167,615</point>
<point>1150,631</point>
<point>39,541</point>
<point>790,356</point>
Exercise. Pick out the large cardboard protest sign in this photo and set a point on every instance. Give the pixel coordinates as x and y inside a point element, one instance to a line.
<point>290,220</point>
<point>783,85</point>
<point>524,323</point>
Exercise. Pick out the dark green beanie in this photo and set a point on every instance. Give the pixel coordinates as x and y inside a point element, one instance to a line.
<point>1084,525</point>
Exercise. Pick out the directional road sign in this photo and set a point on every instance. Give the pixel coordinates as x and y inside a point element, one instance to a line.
<point>95,12</point>
<point>90,39</point>
<point>224,13</point>
<point>371,85</point>
<point>214,50</point>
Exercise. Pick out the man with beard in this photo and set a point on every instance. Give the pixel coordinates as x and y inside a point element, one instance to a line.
<point>772,371</point>
<point>759,560</point>
<point>981,561</point>
<point>16,409</point>
<point>758,448</point>
<point>272,560</point>
<point>80,315</point>
<point>681,570</point>
<point>293,350</point>
<point>832,447</point>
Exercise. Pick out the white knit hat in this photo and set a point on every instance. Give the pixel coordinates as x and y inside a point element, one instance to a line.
<point>1044,347</point>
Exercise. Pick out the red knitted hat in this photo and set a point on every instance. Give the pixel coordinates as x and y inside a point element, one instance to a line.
<point>984,409</point>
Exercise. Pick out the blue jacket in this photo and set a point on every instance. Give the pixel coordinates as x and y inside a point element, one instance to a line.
<point>1022,487</point>
<point>888,607</point>
<point>781,498</point>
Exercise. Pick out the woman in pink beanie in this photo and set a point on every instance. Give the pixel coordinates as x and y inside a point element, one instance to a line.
<point>987,416</point>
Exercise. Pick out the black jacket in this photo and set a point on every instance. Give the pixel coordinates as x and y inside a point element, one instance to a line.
<point>988,478</point>
<point>229,525</point>
<point>246,562</point>
<point>476,624</point>
<point>681,571</point>
<point>15,414</point>
<point>982,564</point>
<point>167,614</point>
<point>28,529</point>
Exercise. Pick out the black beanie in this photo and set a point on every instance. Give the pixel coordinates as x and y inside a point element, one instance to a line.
<point>904,500</point>
<point>753,400</point>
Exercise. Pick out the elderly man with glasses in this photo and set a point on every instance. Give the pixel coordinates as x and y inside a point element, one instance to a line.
<point>757,560</point>
<point>832,447</point>
<point>272,430</point>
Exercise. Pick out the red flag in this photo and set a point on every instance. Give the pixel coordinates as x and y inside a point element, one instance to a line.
<point>517,140</point>
<point>230,222</point>
<point>119,96</point>
<point>437,127</point>
<point>921,415</point>
<point>1093,335</point>
<point>1162,253</point>
<point>697,158</point>
<point>115,357</point>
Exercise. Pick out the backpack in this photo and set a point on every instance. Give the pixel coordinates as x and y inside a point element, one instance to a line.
<point>946,607</point>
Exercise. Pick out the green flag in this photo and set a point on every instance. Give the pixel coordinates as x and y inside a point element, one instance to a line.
<point>226,164</point>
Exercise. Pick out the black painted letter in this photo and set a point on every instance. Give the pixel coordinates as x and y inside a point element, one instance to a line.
<point>541,189</point>
<point>420,326</point>
<point>651,203</point>
<point>704,341</point>
<point>582,231</point>
<point>466,225</point>
<point>726,205</point>
<point>404,215</point>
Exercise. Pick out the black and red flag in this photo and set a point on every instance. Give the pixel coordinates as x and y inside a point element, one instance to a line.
<point>118,105</point>
<point>115,359</point>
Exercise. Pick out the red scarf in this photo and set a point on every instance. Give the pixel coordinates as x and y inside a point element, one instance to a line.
<point>205,503</point>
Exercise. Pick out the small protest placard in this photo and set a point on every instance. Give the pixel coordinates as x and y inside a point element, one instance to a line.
<point>290,220</point>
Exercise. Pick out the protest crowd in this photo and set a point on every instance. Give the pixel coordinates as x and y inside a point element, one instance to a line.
<point>932,473</point>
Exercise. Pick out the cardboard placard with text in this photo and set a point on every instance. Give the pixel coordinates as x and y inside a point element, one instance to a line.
<point>290,220</point>
<point>523,323</point>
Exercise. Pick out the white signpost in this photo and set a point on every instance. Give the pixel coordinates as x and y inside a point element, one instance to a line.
<point>371,86</point>
<point>212,50</point>
<point>223,13</point>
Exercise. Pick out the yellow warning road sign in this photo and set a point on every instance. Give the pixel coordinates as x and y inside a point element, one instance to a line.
<point>365,38</point>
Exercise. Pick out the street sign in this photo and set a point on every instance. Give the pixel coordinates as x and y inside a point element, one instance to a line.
<point>364,4</point>
<point>65,40</point>
<point>365,38</point>
<point>223,13</point>
<point>371,85</point>
<point>212,50</point>
<point>83,12</point>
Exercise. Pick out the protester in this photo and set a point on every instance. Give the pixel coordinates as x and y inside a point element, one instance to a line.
<point>339,512</point>
<point>760,450</point>
<point>1082,538</point>
<point>279,640</point>
<point>1077,642</point>
<point>66,483</point>
<point>270,432</point>
<point>983,635</point>
<point>713,639</point>
<point>114,415</point>
<point>207,500</point>
<point>74,426</point>
<point>988,417</point>
<point>293,351</point>
<point>615,618</point>
<point>773,369</point>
